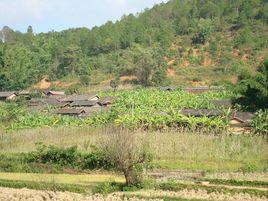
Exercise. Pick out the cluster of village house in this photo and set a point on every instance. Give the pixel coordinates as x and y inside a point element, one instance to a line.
<point>88,105</point>
<point>72,105</point>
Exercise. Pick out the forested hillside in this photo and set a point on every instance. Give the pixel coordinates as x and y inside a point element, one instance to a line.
<point>182,42</point>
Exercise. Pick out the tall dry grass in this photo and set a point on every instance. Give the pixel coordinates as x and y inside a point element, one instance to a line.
<point>171,149</point>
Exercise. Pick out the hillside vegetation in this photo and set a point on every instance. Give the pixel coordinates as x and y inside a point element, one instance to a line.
<point>182,42</point>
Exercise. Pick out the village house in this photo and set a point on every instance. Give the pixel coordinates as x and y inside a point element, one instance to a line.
<point>54,93</point>
<point>106,101</point>
<point>85,103</point>
<point>224,104</point>
<point>168,88</point>
<point>202,89</point>
<point>74,98</point>
<point>71,112</point>
<point>241,119</point>
<point>7,95</point>
<point>201,112</point>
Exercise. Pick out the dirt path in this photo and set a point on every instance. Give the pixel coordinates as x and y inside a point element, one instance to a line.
<point>9,194</point>
<point>236,187</point>
<point>36,195</point>
<point>194,194</point>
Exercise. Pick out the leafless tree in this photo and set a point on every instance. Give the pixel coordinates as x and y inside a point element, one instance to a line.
<point>128,151</point>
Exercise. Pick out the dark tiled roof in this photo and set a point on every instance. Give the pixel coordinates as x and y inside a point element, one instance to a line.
<point>24,93</point>
<point>204,88</point>
<point>71,111</point>
<point>84,103</point>
<point>222,103</point>
<point>106,100</point>
<point>243,117</point>
<point>79,98</point>
<point>56,93</point>
<point>168,88</point>
<point>201,112</point>
<point>54,102</point>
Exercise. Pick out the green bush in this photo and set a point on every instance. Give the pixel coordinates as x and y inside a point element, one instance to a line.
<point>260,122</point>
<point>68,157</point>
<point>106,188</point>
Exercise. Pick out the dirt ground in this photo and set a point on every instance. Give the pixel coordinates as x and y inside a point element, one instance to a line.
<point>8,194</point>
<point>35,195</point>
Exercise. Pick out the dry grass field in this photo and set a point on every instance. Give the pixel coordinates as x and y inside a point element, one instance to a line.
<point>171,149</point>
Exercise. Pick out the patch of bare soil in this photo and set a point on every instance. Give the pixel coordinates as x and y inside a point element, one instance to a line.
<point>8,194</point>
<point>171,62</point>
<point>198,83</point>
<point>63,84</point>
<point>128,78</point>
<point>43,84</point>
<point>185,63</point>
<point>196,194</point>
<point>171,72</point>
<point>234,80</point>
<point>207,61</point>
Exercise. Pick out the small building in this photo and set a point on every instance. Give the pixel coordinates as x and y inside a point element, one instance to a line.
<point>224,103</point>
<point>241,119</point>
<point>25,94</point>
<point>75,98</point>
<point>201,112</point>
<point>36,102</point>
<point>71,112</point>
<point>203,89</point>
<point>54,93</point>
<point>106,101</point>
<point>93,111</point>
<point>168,88</point>
<point>7,95</point>
<point>85,103</point>
<point>54,102</point>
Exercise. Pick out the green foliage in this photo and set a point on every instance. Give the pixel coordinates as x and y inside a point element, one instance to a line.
<point>204,29</point>
<point>106,188</point>
<point>43,186</point>
<point>253,90</point>
<point>25,58</point>
<point>237,182</point>
<point>156,109</point>
<point>68,157</point>
<point>175,186</point>
<point>10,111</point>
<point>139,108</point>
<point>260,122</point>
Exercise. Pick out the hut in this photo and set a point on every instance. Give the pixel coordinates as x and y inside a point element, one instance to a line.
<point>106,101</point>
<point>224,103</point>
<point>7,95</point>
<point>75,98</point>
<point>85,103</point>
<point>203,89</point>
<point>36,102</point>
<point>241,119</point>
<point>25,94</point>
<point>54,102</point>
<point>168,88</point>
<point>201,112</point>
<point>54,93</point>
<point>71,112</point>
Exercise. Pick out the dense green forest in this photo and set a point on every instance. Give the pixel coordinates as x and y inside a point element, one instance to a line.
<point>198,40</point>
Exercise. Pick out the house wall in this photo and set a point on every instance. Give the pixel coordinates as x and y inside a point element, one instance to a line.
<point>11,97</point>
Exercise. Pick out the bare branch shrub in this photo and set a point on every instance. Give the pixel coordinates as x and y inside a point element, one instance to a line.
<point>128,152</point>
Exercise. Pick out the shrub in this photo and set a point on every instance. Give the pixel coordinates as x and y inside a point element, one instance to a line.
<point>68,157</point>
<point>106,188</point>
<point>260,122</point>
<point>128,152</point>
